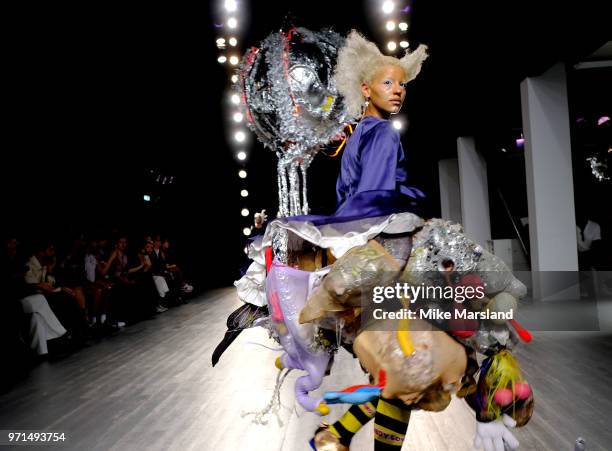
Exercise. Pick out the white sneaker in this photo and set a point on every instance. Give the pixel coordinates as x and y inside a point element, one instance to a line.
<point>161,309</point>
<point>187,288</point>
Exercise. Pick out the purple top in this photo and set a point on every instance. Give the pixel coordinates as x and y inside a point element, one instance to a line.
<point>372,180</point>
<point>373,160</point>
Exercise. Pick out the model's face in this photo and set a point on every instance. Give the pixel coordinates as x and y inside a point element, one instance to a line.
<point>386,91</point>
<point>122,244</point>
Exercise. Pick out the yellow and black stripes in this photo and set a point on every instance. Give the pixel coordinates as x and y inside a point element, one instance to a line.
<point>391,419</point>
<point>390,424</point>
<point>353,420</point>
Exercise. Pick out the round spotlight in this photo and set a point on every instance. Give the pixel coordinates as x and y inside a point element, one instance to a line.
<point>235,99</point>
<point>387,6</point>
<point>237,117</point>
<point>146,198</point>
<point>403,26</point>
<point>234,78</point>
<point>404,44</point>
<point>221,43</point>
<point>244,193</point>
<point>246,231</point>
<point>234,60</point>
<point>397,124</point>
<point>245,212</point>
<point>222,59</point>
<point>230,5</point>
<point>232,22</point>
<point>391,45</point>
<point>390,25</point>
<point>242,174</point>
<point>241,155</point>
<point>233,42</point>
<point>239,136</point>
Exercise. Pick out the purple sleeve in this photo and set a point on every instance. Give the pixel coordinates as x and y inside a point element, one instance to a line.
<point>379,158</point>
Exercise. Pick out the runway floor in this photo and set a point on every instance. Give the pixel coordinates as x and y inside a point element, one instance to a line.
<point>152,387</point>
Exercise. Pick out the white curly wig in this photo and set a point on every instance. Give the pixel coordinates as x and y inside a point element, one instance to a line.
<point>358,62</point>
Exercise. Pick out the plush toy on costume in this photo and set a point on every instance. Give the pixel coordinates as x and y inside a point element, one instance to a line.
<point>357,394</point>
<point>502,390</point>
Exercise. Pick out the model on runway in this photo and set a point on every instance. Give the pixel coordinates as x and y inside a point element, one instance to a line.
<point>316,274</point>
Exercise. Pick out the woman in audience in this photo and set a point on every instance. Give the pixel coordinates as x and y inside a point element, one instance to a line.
<point>133,297</point>
<point>65,302</point>
<point>171,265</point>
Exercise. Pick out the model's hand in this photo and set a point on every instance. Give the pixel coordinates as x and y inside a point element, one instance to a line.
<point>492,436</point>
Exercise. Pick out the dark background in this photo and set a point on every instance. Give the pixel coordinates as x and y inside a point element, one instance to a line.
<point>102,100</point>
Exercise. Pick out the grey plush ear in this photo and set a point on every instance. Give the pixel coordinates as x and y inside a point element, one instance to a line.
<point>413,61</point>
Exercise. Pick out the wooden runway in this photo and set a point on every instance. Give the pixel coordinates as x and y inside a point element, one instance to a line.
<point>152,387</point>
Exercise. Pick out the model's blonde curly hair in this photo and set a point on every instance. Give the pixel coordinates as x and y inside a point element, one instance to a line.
<point>358,62</point>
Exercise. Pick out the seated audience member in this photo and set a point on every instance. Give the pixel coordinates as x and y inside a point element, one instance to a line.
<point>65,302</point>
<point>98,287</point>
<point>171,266</point>
<point>165,280</point>
<point>103,250</point>
<point>44,325</point>
<point>70,272</point>
<point>152,267</point>
<point>134,295</point>
<point>14,351</point>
